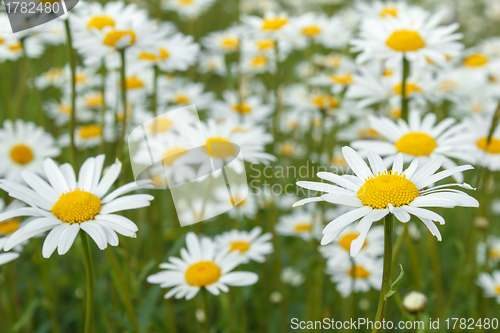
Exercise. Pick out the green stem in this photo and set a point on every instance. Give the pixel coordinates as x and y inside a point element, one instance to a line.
<point>123,89</point>
<point>72,65</point>
<point>386,278</point>
<point>90,282</point>
<point>404,98</point>
<point>204,293</point>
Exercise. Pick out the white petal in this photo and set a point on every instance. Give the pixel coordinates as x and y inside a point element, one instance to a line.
<point>356,163</point>
<point>67,238</point>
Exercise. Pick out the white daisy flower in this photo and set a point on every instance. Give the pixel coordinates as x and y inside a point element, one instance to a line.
<point>292,277</point>
<point>188,9</point>
<point>381,10</point>
<point>318,28</point>
<point>487,154</point>
<point>63,205</point>
<point>490,284</point>
<point>201,266</point>
<point>23,146</point>
<point>250,245</point>
<point>54,77</point>
<point>366,274</point>
<point>60,111</point>
<point>489,251</point>
<point>212,63</point>
<point>272,24</point>
<point>7,228</point>
<point>414,34</point>
<point>305,225</point>
<point>421,137</point>
<point>226,41</point>
<point>187,94</point>
<point>249,109</point>
<point>375,192</point>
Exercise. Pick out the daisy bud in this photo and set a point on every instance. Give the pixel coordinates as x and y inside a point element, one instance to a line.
<point>414,302</point>
<point>364,304</point>
<point>276,297</point>
<point>200,315</point>
<point>481,223</point>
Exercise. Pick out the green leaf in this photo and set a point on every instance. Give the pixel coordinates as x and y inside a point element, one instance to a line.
<point>395,284</point>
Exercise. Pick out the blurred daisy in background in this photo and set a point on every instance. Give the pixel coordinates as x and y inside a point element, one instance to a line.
<point>24,146</point>
<point>490,283</point>
<point>249,109</point>
<point>252,245</point>
<point>303,224</point>
<point>487,151</point>
<point>187,9</point>
<point>201,266</point>
<point>7,228</point>
<point>63,205</point>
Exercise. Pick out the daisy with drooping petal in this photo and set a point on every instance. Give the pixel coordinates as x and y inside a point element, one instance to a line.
<point>363,276</point>
<point>201,266</point>
<point>251,245</point>
<point>490,284</point>
<point>24,146</point>
<point>375,192</point>
<point>421,137</point>
<point>63,204</point>
<point>414,34</point>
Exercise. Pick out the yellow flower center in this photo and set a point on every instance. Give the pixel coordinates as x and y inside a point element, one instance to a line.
<point>287,148</point>
<point>264,44</point>
<point>219,147</point>
<point>239,130</point>
<point>302,227</point>
<point>113,37</point>
<point>16,47</point>
<point>344,79</point>
<point>494,253</point>
<point>160,125</point>
<point>171,155</point>
<point>133,82</point>
<point>389,11</point>
<point>181,99</point>
<point>416,144</point>
<point>8,227</point>
<point>367,133</point>
<point>1,40</point>
<point>476,60</point>
<point>52,74</point>
<point>387,72</point>
<point>493,147</point>
<point>80,78</point>
<point>242,108</point>
<point>241,246</point>
<point>203,273</point>
<point>358,272</point>
<point>94,101</point>
<point>90,131</point>
<point>405,41</point>
<point>447,86</point>
<point>325,101</point>
<point>259,61</point>
<point>230,43</point>
<point>21,154</point>
<point>100,21</point>
<point>346,240</point>
<point>411,88</point>
<point>64,109</point>
<point>185,2</point>
<point>77,206</point>
<point>311,31</point>
<point>274,24</point>
<point>387,188</point>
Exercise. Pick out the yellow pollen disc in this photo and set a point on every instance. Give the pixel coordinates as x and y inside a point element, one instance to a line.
<point>387,72</point>
<point>113,37</point>
<point>274,24</point>
<point>181,99</point>
<point>492,148</point>
<point>16,47</point>
<point>287,148</point>
<point>447,86</point>
<point>219,147</point>
<point>395,112</point>
<point>344,79</point>
<point>389,11</point>
<point>411,88</point>
<point>164,54</point>
<point>241,246</point>
<point>94,101</point>
<point>133,82</point>
<point>147,56</point>
<point>476,107</point>
<point>90,131</point>
<point>325,101</point>
<point>77,206</point>
<point>387,188</point>
<point>242,108</point>
<point>1,40</point>
<point>476,60</point>
<point>311,31</point>
<point>367,133</point>
<point>405,41</point>
<point>21,154</point>
<point>100,21</point>
<point>416,144</point>
<point>259,61</point>
<point>316,122</point>
<point>185,2</point>
<point>235,201</point>
<point>239,130</point>
<point>80,78</point>
<point>203,273</point>
<point>265,44</point>
<point>170,156</point>
<point>494,253</point>
<point>8,227</point>
<point>358,272</point>
<point>160,125</point>
<point>64,109</point>
<point>230,43</point>
<point>303,227</point>
<point>346,240</point>
<point>52,74</point>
